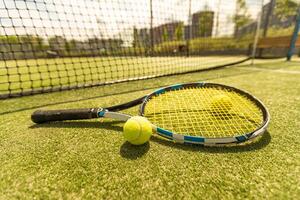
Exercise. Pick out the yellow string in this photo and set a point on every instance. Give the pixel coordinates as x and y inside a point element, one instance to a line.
<point>189,111</point>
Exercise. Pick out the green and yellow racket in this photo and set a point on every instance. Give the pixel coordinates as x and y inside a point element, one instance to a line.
<point>198,113</point>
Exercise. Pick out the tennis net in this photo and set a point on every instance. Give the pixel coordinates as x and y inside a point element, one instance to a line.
<point>64,44</point>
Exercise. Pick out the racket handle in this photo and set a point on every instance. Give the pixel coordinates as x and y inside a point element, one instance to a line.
<point>41,116</point>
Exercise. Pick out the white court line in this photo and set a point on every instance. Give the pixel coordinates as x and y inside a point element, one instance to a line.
<point>272,70</point>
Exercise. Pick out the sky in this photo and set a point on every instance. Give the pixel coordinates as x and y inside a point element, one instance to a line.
<point>82,19</point>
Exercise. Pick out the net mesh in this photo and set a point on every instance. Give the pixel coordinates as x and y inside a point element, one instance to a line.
<point>206,111</point>
<point>50,45</point>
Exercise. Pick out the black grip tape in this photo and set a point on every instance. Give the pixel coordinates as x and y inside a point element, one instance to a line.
<point>41,116</point>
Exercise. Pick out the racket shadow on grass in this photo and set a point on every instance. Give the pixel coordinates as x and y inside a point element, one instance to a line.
<point>133,152</point>
<point>127,150</point>
<point>256,144</point>
<point>108,125</point>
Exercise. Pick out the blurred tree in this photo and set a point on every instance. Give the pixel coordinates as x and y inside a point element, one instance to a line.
<point>206,21</point>
<point>202,22</point>
<point>135,42</point>
<point>114,44</point>
<point>22,46</point>
<point>57,44</point>
<point>8,39</point>
<point>241,16</point>
<point>179,32</point>
<point>39,43</point>
<point>31,46</point>
<point>165,34</point>
<point>71,47</point>
<point>286,8</point>
<point>68,47</point>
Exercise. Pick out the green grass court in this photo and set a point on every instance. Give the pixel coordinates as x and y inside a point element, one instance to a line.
<point>90,160</point>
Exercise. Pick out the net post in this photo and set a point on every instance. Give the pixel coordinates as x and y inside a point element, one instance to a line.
<point>151,29</point>
<point>267,21</point>
<point>259,16</point>
<point>294,37</point>
<point>189,37</point>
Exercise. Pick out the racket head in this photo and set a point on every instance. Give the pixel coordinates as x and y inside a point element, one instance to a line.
<point>184,113</point>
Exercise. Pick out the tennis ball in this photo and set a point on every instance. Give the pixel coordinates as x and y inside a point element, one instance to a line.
<point>137,130</point>
<point>221,103</point>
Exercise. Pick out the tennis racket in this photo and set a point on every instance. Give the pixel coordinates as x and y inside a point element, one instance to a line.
<point>186,113</point>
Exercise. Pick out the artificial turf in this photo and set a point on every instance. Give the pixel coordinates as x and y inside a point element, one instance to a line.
<point>90,160</point>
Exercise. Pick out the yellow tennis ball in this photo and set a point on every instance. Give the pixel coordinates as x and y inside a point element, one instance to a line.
<point>137,130</point>
<point>221,103</point>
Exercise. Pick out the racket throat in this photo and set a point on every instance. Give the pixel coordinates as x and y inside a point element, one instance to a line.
<point>113,115</point>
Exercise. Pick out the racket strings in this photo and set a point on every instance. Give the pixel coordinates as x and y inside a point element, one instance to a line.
<point>190,111</point>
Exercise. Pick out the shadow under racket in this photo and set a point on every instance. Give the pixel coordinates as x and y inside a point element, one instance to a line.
<point>136,151</point>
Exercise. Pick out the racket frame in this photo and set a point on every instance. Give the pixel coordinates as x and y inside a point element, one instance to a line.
<point>179,138</point>
<point>41,116</point>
